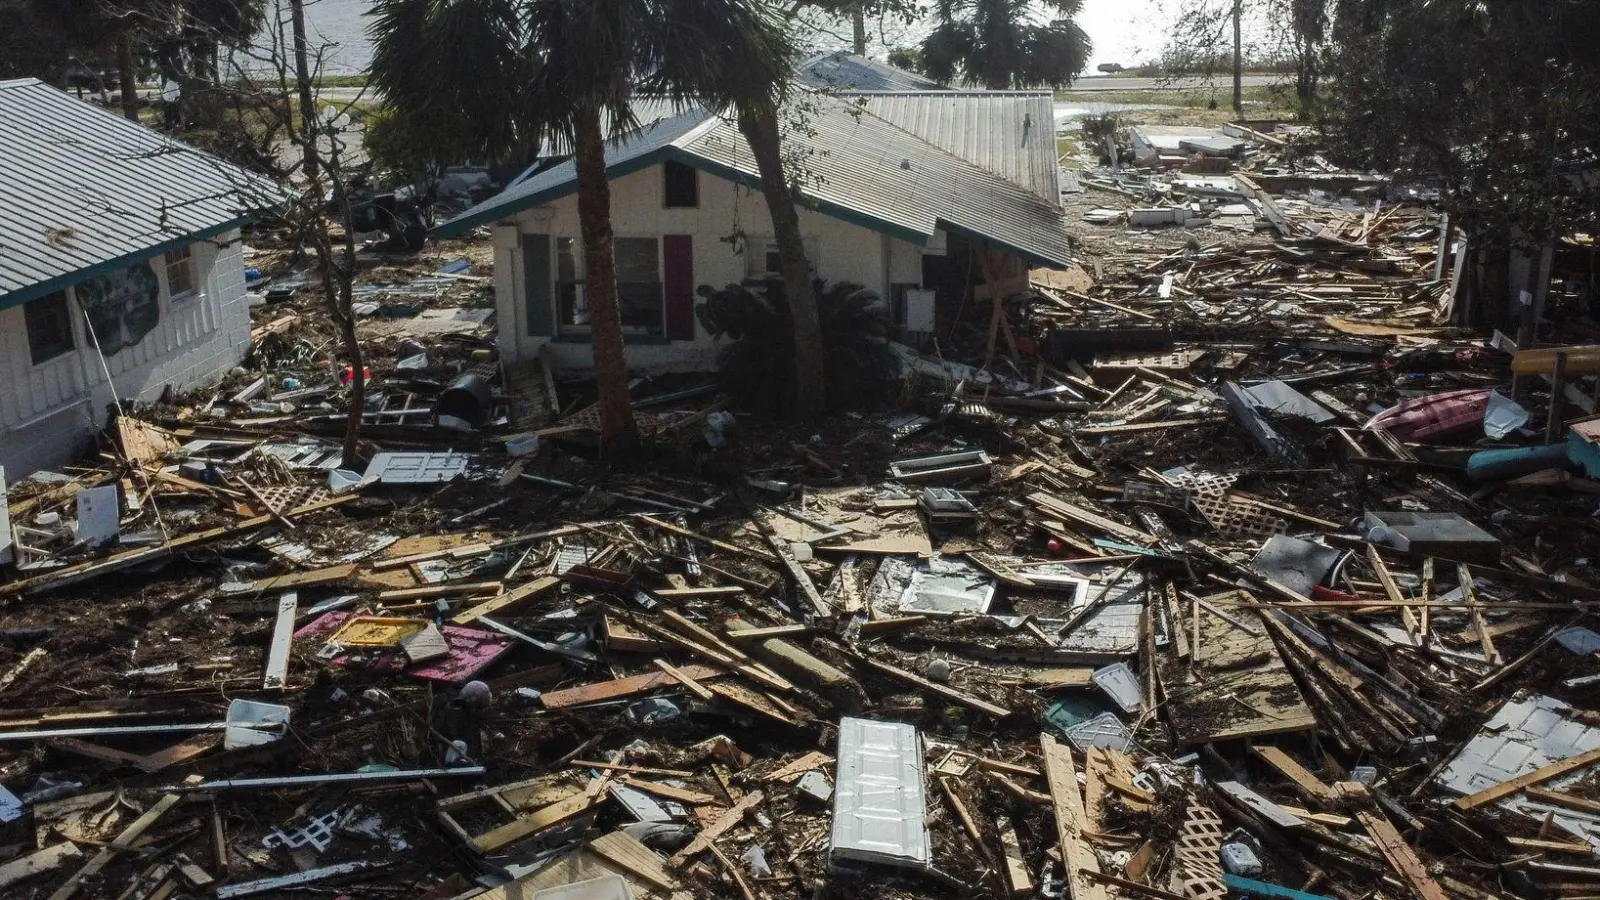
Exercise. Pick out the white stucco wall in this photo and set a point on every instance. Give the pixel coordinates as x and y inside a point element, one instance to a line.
<point>48,411</point>
<point>844,252</point>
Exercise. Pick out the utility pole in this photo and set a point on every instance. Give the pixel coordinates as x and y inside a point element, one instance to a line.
<point>858,18</point>
<point>1238,58</point>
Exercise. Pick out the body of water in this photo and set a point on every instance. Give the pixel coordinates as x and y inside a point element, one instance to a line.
<point>340,28</point>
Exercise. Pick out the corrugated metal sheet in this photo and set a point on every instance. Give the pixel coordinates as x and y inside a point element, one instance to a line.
<point>879,804</point>
<point>82,188</point>
<point>1010,133</point>
<point>848,72</point>
<point>863,165</point>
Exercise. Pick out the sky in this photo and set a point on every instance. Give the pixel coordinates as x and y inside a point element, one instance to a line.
<point>1129,32</point>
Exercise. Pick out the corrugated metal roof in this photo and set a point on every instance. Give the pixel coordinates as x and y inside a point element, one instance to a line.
<point>83,190</point>
<point>846,71</point>
<point>881,173</point>
<point>1010,133</point>
<point>860,168</point>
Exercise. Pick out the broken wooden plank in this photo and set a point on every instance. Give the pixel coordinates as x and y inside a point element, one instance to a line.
<point>816,759</point>
<point>1307,783</point>
<point>545,817</point>
<point>776,631</point>
<point>447,589</point>
<point>621,687</point>
<point>695,687</point>
<point>625,852</point>
<point>1528,779</point>
<point>46,860</point>
<point>697,592</point>
<point>1076,854</point>
<point>799,575</point>
<point>733,816</point>
<point>1400,855</point>
<point>1058,507</point>
<point>1558,798</point>
<point>326,575</point>
<point>123,841</point>
<point>23,665</point>
<point>682,795</point>
<point>1018,881</point>
<point>759,556</point>
<point>506,600</point>
<point>945,691</point>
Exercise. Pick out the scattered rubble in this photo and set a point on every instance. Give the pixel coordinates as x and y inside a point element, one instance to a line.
<point>1197,583</point>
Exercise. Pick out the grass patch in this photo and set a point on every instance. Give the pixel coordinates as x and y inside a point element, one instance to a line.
<point>340,81</point>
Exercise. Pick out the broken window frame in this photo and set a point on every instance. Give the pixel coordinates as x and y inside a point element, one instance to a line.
<point>183,277</point>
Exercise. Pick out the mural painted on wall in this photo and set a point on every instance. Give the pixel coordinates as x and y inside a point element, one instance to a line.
<point>122,307</point>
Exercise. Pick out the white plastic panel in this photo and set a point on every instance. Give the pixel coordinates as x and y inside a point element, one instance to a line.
<point>879,806</point>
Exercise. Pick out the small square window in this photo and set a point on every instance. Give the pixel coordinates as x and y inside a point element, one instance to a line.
<point>762,259</point>
<point>180,271</point>
<point>49,324</point>
<point>681,185</point>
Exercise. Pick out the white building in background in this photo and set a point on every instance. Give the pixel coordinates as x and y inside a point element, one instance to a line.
<point>900,188</point>
<point>121,269</point>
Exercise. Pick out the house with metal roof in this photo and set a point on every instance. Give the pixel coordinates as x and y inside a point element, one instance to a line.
<point>842,70</point>
<point>121,269</point>
<point>907,193</point>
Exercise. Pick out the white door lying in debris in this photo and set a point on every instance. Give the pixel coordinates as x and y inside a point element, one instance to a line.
<point>879,806</point>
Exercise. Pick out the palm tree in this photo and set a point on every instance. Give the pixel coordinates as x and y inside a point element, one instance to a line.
<point>996,44</point>
<point>574,66</point>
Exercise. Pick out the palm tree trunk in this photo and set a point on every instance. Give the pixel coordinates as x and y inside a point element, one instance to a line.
<point>127,75</point>
<point>858,22</point>
<point>600,275</point>
<point>302,71</point>
<point>760,127</point>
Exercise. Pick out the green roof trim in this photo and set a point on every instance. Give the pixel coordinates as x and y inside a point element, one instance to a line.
<point>110,266</point>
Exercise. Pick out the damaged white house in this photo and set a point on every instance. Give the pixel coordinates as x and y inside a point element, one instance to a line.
<point>901,186</point>
<point>121,269</point>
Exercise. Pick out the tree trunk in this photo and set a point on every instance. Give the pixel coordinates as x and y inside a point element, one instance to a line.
<point>760,128</point>
<point>128,77</point>
<point>600,275</point>
<point>302,72</point>
<point>858,21</point>
<point>1238,57</point>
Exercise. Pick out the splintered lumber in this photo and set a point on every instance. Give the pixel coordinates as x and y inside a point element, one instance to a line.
<point>1307,783</point>
<point>1061,508</point>
<point>328,575</point>
<point>506,600</point>
<point>542,818</point>
<point>693,798</point>
<point>1395,849</point>
<point>776,631</point>
<point>801,578</point>
<point>625,852</point>
<point>123,841</point>
<point>758,556</point>
<point>961,811</point>
<point>754,671</point>
<point>1018,881</point>
<point>636,770</point>
<point>816,759</point>
<point>22,666</point>
<point>733,816</point>
<point>1076,854</point>
<point>621,687</point>
<point>1526,780</point>
<point>448,589</point>
<point>695,592</point>
<point>695,687</point>
<point>1236,685</point>
<point>45,860</point>
<point>1567,800</point>
<point>945,691</point>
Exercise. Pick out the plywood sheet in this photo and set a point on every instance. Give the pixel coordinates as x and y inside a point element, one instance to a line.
<point>1237,686</point>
